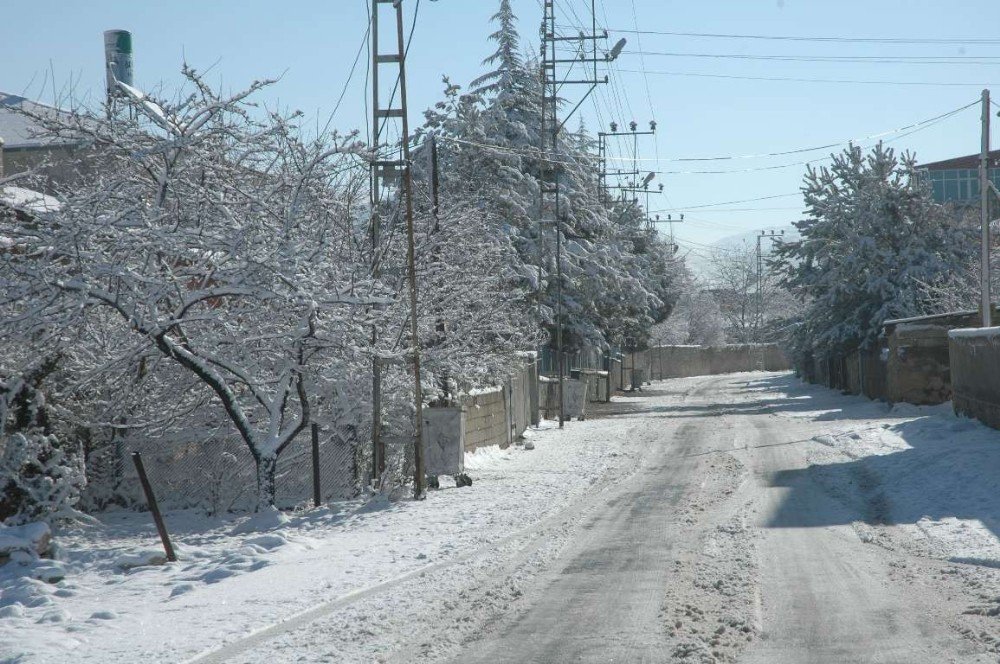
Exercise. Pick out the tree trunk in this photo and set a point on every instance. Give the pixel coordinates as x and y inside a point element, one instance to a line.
<point>266,467</point>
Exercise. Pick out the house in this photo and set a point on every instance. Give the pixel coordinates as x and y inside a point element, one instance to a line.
<point>957,180</point>
<point>24,147</point>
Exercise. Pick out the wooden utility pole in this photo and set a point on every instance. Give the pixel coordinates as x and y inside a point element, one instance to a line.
<point>984,214</point>
<point>435,183</point>
<point>377,172</point>
<point>317,491</point>
<point>394,169</point>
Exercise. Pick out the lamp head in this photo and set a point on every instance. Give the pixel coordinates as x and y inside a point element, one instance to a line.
<point>616,50</point>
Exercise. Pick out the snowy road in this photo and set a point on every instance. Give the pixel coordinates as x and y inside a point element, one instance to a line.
<point>724,547</point>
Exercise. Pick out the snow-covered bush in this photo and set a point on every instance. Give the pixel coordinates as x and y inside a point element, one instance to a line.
<point>40,479</point>
<point>40,476</point>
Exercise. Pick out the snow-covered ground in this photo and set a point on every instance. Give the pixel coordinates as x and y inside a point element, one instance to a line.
<point>101,602</point>
<point>765,510</point>
<point>920,470</point>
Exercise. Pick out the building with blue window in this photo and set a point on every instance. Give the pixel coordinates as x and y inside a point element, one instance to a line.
<point>957,180</point>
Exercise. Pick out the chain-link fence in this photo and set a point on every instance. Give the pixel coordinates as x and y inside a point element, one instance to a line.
<point>219,475</point>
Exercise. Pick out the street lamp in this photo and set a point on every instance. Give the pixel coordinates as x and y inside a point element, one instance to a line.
<point>616,50</point>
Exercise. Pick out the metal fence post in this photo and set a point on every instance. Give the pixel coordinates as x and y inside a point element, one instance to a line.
<point>153,507</point>
<point>317,494</point>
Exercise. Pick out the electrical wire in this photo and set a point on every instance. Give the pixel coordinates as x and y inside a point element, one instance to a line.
<point>898,132</point>
<point>912,130</point>
<point>796,79</point>
<point>827,146</point>
<point>963,60</point>
<point>854,40</point>
<point>736,202</point>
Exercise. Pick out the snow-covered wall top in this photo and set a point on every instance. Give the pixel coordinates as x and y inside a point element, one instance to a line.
<point>930,317</point>
<point>975,332</point>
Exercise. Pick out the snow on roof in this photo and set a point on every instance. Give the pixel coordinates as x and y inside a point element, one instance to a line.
<point>28,200</point>
<point>20,132</point>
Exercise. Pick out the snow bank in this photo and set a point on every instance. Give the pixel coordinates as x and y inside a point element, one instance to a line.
<point>922,470</point>
<point>32,538</point>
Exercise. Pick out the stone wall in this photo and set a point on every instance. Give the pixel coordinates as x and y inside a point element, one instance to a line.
<point>975,373</point>
<point>918,367</point>
<point>682,361</point>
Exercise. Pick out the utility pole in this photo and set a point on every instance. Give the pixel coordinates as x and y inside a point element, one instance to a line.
<point>984,213</point>
<point>602,154</point>
<point>759,318</point>
<point>551,124</point>
<point>394,169</point>
<point>379,169</point>
<point>670,220</point>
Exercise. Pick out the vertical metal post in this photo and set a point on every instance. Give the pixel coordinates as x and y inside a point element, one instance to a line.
<point>559,351</point>
<point>758,316</point>
<point>984,213</point>
<point>317,493</point>
<point>154,509</point>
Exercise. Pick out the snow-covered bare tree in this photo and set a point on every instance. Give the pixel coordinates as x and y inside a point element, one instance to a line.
<point>211,236</point>
<point>739,291</point>
<point>696,319</point>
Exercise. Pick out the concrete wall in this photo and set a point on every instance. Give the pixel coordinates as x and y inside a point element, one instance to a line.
<point>597,384</point>
<point>486,419</point>
<point>682,361</point>
<point>911,364</point>
<point>975,373</point>
<point>500,416</point>
<point>523,399</point>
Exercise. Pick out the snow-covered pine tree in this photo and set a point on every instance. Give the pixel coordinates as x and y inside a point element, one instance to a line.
<point>507,59</point>
<point>871,239</point>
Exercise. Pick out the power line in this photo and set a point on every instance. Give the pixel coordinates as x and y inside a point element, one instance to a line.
<point>964,60</point>
<point>827,146</point>
<point>795,79</point>
<point>737,202</point>
<point>901,131</point>
<point>854,40</point>
<point>350,74</point>
<point>906,131</point>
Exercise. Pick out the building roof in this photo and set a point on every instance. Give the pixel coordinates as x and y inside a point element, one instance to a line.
<point>20,132</point>
<point>970,161</point>
<point>28,200</point>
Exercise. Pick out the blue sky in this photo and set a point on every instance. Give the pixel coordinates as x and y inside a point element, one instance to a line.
<point>312,44</point>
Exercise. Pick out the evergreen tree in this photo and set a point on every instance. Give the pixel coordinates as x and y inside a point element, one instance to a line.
<point>872,239</point>
<point>507,58</point>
